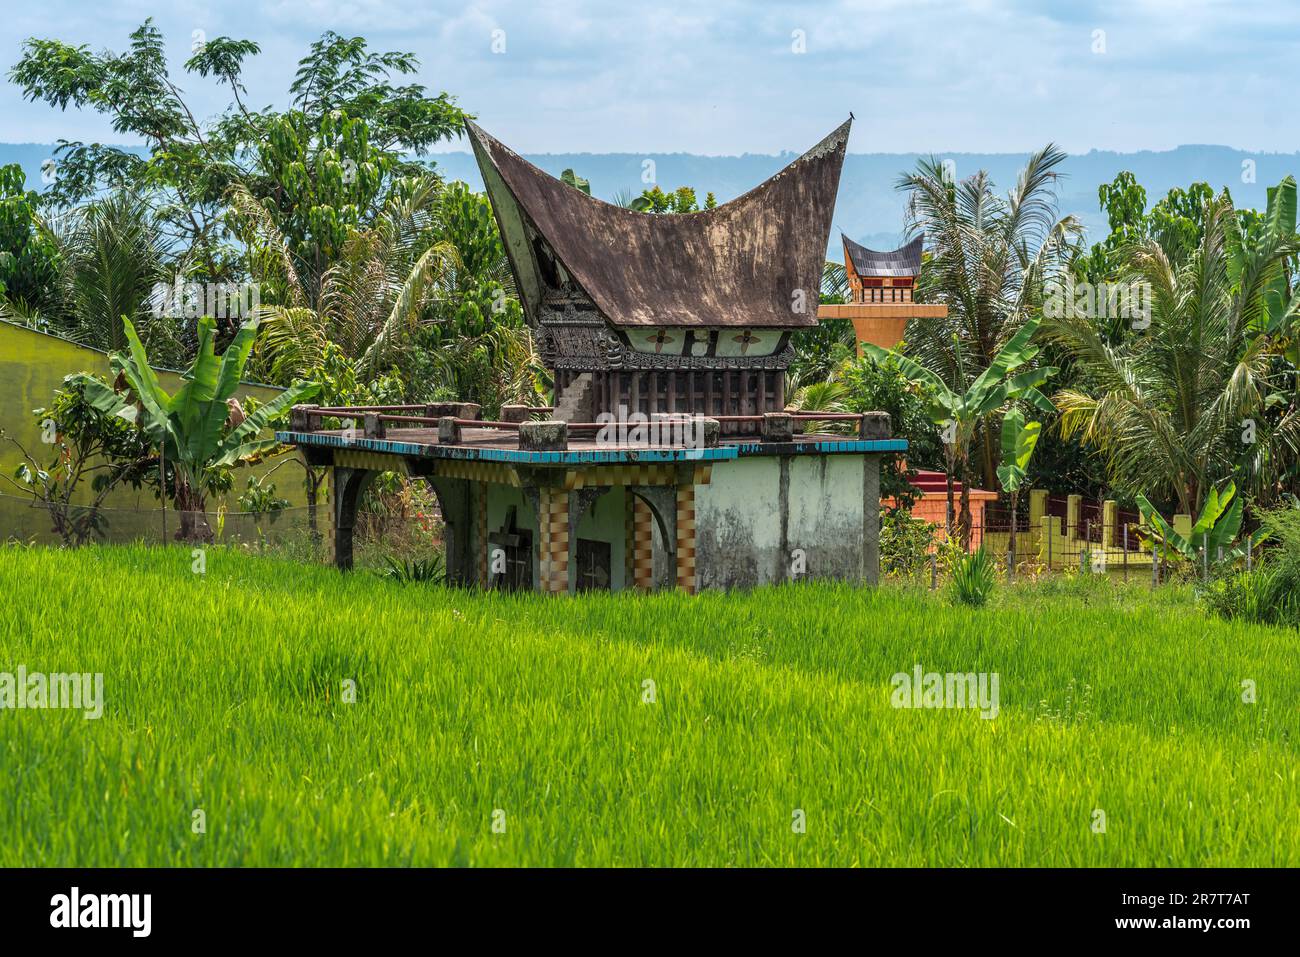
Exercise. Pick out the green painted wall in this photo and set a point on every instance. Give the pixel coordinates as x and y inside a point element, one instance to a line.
<point>32,367</point>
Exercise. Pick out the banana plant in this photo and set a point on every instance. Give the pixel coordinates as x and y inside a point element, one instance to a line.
<point>1019,439</point>
<point>196,429</point>
<point>959,413</point>
<point>1216,528</point>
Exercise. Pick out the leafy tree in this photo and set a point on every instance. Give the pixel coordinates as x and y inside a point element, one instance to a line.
<point>873,386</point>
<point>991,259</point>
<point>112,255</point>
<point>29,261</point>
<point>1206,392</point>
<point>196,428</point>
<point>320,164</point>
<point>1217,527</point>
<point>680,200</point>
<point>90,454</point>
<point>1176,222</point>
<point>1018,441</point>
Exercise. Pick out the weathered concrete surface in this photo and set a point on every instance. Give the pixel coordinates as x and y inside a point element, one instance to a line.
<point>544,436</point>
<point>876,425</point>
<point>778,427</point>
<point>788,518</point>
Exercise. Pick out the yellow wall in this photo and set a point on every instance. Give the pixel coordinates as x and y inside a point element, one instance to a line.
<point>32,367</point>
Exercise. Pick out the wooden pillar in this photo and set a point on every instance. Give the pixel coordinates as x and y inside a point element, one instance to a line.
<point>686,539</point>
<point>347,484</point>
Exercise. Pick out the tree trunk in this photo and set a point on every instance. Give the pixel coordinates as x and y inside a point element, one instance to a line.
<point>990,456</point>
<point>964,519</point>
<point>191,510</point>
<point>1011,545</point>
<point>950,462</point>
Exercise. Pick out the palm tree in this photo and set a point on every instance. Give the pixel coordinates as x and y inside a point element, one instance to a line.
<point>379,286</point>
<point>1203,393</point>
<point>112,256</point>
<point>827,396</point>
<point>991,258</point>
<point>430,264</point>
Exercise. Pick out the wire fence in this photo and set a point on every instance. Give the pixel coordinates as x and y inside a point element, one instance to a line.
<point>1124,550</point>
<point>26,519</point>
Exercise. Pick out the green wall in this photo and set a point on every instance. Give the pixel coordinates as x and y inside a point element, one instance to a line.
<point>32,366</point>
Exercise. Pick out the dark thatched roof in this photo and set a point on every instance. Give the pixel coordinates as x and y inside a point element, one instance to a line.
<point>750,262</point>
<point>904,261</point>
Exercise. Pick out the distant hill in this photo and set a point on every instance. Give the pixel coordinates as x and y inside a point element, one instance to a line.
<point>869,208</point>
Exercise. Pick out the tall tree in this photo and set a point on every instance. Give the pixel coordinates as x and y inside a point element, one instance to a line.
<point>991,258</point>
<point>980,393</point>
<point>321,164</point>
<point>1208,391</point>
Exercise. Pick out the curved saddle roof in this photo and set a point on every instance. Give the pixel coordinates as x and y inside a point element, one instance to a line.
<point>903,261</point>
<point>755,261</point>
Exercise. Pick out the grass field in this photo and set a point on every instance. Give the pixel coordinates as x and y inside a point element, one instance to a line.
<point>223,693</point>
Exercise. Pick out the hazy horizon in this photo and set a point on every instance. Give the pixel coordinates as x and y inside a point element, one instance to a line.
<point>734,79</point>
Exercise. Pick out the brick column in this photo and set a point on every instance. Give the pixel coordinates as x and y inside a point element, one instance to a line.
<point>553,528</point>
<point>686,538</point>
<point>480,490</point>
<point>642,547</point>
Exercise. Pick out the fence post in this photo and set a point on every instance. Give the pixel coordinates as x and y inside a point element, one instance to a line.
<point>1109,519</point>
<point>1047,524</point>
<point>1037,511</point>
<point>1126,553</point>
<point>934,571</point>
<point>1011,565</point>
<point>1155,566</point>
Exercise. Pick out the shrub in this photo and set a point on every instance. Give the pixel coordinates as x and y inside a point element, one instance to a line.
<point>1269,593</point>
<point>905,544</point>
<point>973,578</point>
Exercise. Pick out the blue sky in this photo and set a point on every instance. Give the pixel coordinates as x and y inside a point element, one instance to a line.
<point>726,78</point>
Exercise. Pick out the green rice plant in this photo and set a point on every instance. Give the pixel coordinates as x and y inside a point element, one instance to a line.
<point>973,578</point>
<point>416,570</point>
<point>323,719</point>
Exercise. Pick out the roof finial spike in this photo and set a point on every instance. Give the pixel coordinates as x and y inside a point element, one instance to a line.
<point>850,114</point>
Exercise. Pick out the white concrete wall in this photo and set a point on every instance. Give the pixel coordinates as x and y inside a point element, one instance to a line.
<point>756,512</point>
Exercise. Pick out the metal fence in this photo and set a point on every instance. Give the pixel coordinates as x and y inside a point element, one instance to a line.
<point>1122,551</point>
<point>25,519</point>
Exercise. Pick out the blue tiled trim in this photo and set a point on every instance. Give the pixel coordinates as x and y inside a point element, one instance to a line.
<point>597,456</point>
<point>822,447</point>
<point>512,456</point>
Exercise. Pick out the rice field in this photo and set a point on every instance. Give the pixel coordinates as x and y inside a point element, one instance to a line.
<point>263,712</point>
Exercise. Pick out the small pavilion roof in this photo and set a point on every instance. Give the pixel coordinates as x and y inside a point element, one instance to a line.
<point>904,261</point>
<point>750,262</point>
